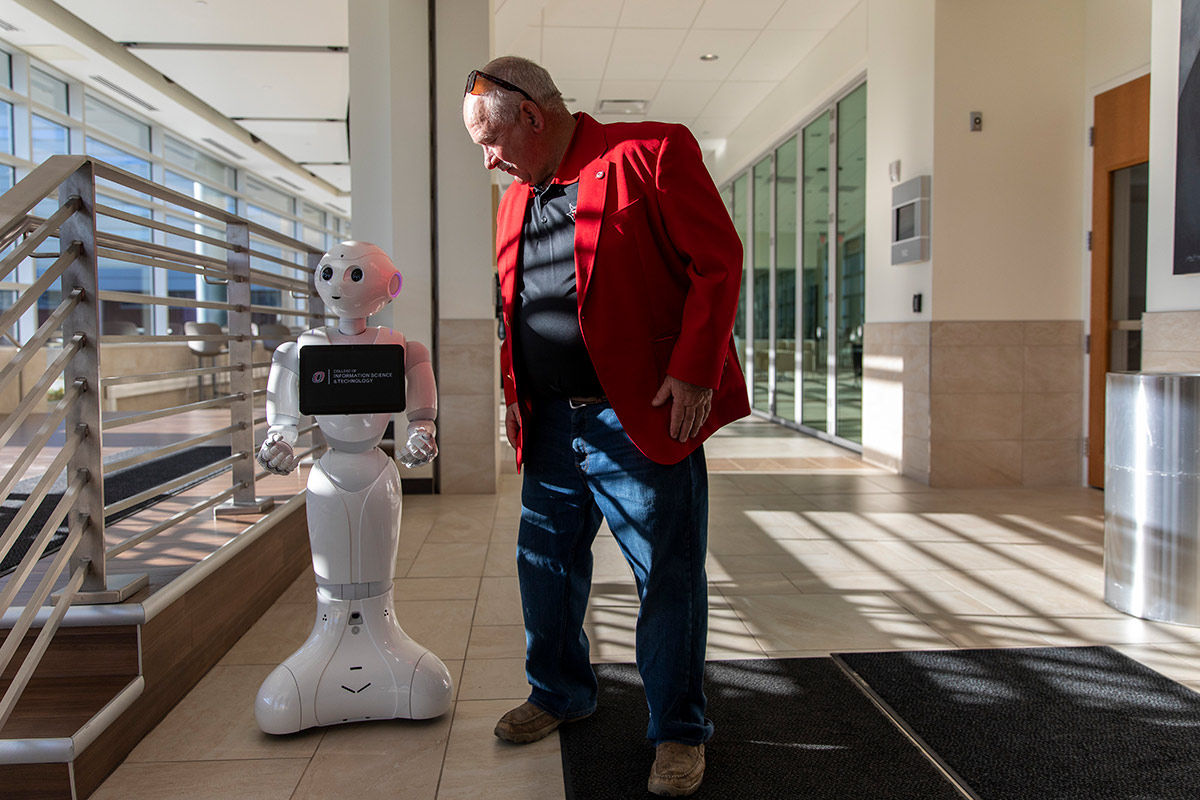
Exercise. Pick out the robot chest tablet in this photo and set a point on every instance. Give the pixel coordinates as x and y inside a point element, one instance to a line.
<point>352,379</point>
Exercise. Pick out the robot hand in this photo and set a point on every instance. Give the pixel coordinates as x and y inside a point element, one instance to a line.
<point>276,455</point>
<point>421,447</point>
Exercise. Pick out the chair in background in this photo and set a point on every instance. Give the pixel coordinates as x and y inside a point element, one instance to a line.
<point>272,334</point>
<point>120,327</point>
<point>204,349</point>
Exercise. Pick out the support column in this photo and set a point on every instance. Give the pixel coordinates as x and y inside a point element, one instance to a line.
<point>421,193</point>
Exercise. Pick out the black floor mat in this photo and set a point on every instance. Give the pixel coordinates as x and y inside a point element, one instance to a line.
<point>785,728</point>
<point>117,486</point>
<point>1068,723</point>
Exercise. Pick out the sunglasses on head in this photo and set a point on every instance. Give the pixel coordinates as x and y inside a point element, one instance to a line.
<point>473,86</point>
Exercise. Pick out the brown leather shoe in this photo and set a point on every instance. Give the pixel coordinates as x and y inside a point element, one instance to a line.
<point>678,769</point>
<point>528,723</point>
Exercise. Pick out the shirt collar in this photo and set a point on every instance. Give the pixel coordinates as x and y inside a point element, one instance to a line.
<point>587,142</point>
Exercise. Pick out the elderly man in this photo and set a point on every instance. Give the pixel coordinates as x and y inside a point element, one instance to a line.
<point>620,271</point>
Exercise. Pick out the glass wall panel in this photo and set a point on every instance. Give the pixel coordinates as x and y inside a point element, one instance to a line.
<point>741,220</point>
<point>47,90</point>
<point>761,255</point>
<point>259,192</point>
<point>851,261</point>
<point>49,139</point>
<point>814,292</point>
<point>200,191</point>
<point>6,127</point>
<point>116,123</point>
<point>785,280</point>
<point>185,156</point>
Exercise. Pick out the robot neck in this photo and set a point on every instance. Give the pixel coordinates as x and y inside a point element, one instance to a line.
<point>351,326</point>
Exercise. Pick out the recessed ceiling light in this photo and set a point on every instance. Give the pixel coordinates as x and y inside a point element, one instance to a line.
<point>709,57</point>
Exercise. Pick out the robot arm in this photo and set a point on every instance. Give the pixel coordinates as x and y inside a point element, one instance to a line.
<point>283,410</point>
<point>421,402</point>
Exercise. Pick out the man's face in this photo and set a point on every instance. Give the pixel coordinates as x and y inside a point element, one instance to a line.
<point>510,147</point>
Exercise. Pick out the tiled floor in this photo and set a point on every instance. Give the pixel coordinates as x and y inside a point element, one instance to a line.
<point>810,551</point>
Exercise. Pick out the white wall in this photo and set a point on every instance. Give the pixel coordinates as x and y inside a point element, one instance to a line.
<point>900,38</point>
<point>1007,200</point>
<point>1117,42</point>
<point>1165,291</point>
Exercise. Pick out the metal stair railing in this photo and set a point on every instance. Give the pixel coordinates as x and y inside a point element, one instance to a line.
<point>70,339</point>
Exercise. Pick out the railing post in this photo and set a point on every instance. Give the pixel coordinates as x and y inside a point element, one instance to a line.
<point>84,370</point>
<point>241,381</point>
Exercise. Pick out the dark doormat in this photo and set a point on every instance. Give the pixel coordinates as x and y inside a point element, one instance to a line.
<point>785,728</point>
<point>117,486</point>
<point>1039,723</point>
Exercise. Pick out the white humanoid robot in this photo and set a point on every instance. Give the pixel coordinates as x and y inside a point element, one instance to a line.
<point>357,663</point>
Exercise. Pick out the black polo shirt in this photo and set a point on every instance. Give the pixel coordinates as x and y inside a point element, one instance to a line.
<point>548,349</point>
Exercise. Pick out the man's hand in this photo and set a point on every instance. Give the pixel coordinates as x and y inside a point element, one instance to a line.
<point>512,424</point>
<point>421,447</point>
<point>276,455</point>
<point>689,408</point>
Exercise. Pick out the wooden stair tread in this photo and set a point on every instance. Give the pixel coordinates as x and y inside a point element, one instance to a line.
<point>58,707</point>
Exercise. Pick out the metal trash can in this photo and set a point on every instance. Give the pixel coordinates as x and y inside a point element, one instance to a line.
<point>1152,496</point>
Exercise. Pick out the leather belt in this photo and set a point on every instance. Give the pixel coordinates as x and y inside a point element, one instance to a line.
<point>580,402</point>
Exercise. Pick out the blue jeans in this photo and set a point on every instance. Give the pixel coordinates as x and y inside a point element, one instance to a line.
<point>579,465</point>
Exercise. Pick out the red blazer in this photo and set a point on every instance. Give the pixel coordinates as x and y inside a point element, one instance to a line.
<point>658,265</point>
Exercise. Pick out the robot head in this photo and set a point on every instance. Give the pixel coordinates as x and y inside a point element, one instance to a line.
<point>356,279</point>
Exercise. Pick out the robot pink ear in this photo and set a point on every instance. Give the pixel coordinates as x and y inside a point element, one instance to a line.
<point>394,285</point>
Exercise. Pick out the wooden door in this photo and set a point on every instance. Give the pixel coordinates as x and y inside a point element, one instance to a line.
<point>1121,139</point>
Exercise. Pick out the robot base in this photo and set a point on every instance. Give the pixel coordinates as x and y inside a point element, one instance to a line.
<point>357,664</point>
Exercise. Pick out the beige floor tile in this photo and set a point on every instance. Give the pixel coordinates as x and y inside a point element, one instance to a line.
<point>277,634</point>
<point>813,622</point>
<point>494,679</point>
<point>760,583</point>
<point>966,630</point>
<point>941,604</point>
<point>496,641</point>
<point>435,589</point>
<point>262,779</point>
<point>499,602</point>
<point>1048,592</point>
<point>869,581</point>
<point>444,626</point>
<point>448,560</point>
<point>215,721</point>
<point>1160,659</point>
<point>477,764</point>
<point>501,559</point>
<point>399,759</point>
<point>1067,631</point>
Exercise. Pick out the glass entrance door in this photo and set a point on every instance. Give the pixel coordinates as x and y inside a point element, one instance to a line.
<point>851,263</point>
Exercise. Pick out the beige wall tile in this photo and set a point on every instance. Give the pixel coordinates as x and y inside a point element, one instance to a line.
<point>1171,330</point>
<point>1052,463</point>
<point>916,360</point>
<point>470,469</point>
<point>979,369</point>
<point>1170,361</point>
<point>1053,369</point>
<point>467,419</point>
<point>470,369</point>
<point>1067,333</point>
<point>975,464</point>
<point>917,414</point>
<point>916,459</point>
<point>974,334</point>
<point>1052,415</point>
<point>883,334</point>
<point>467,332</point>
<point>974,417</point>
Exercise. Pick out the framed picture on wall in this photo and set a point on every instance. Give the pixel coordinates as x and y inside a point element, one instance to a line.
<point>1187,159</point>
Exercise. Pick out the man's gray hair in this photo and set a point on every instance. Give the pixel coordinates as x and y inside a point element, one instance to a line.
<point>503,106</point>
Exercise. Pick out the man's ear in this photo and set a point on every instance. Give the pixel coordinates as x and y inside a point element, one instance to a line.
<point>531,114</point>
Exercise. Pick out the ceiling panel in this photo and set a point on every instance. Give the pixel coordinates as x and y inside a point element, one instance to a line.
<point>682,99</point>
<point>579,95</point>
<point>303,141</point>
<point>336,174</point>
<point>737,98</point>
<point>257,84</point>
<point>729,46</point>
<point>642,53</point>
<point>296,22</point>
<point>714,127</point>
<point>775,54</point>
<point>811,14</point>
<point>659,14</point>
<point>576,52</point>
<point>582,13</point>
<point>629,90</point>
<point>736,14</point>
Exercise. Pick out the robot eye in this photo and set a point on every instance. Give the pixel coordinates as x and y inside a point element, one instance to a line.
<point>356,274</point>
<point>327,274</point>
